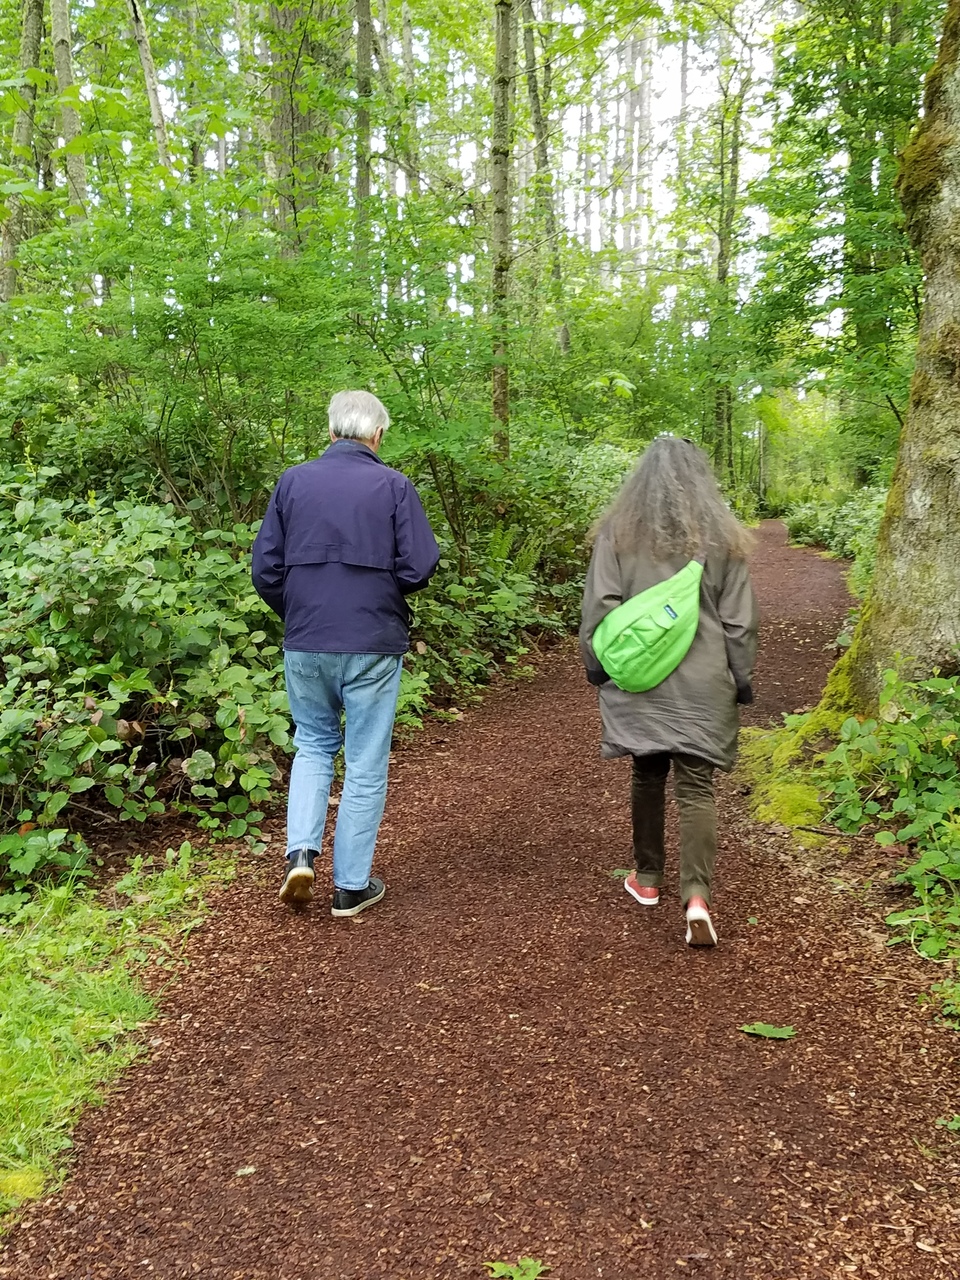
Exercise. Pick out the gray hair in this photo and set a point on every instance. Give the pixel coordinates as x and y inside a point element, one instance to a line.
<point>671,505</point>
<point>357,415</point>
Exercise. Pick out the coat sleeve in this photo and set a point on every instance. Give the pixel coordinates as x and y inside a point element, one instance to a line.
<point>268,561</point>
<point>740,616</point>
<point>417,552</point>
<point>602,593</point>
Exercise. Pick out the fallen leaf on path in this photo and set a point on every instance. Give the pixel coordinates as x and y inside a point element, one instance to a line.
<point>768,1031</point>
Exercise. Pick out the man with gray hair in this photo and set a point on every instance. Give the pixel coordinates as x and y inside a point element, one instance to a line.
<point>344,541</point>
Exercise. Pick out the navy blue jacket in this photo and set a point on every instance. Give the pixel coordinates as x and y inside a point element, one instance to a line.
<point>345,538</point>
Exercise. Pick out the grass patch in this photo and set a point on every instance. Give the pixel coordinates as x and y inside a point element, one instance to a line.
<point>72,963</point>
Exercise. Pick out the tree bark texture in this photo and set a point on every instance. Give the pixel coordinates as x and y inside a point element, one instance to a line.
<point>142,37</point>
<point>75,164</point>
<point>500,239</point>
<point>912,613</point>
<point>20,149</point>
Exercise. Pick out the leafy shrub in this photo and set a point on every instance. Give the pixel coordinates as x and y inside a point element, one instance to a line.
<point>901,772</point>
<point>847,525</point>
<point>138,664</point>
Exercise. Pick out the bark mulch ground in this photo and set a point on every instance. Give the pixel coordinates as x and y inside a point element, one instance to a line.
<point>511,1057</point>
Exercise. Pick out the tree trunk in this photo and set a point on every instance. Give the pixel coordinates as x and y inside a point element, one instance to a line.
<point>364,94</point>
<point>381,46</point>
<point>543,187</point>
<point>603,212</point>
<point>195,162</point>
<point>730,122</point>
<point>500,244</point>
<point>644,144</point>
<point>683,120</point>
<point>912,613</point>
<point>75,163</point>
<point>631,183</point>
<point>142,38</point>
<point>254,61</point>
<point>410,84</point>
<point>20,153</point>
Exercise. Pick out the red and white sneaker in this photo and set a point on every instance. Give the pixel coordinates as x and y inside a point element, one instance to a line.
<point>700,930</point>
<point>646,895</point>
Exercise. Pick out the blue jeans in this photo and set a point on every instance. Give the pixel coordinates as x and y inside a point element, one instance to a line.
<point>364,686</point>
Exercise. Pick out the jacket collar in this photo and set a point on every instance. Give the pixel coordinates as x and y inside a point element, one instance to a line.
<point>356,447</point>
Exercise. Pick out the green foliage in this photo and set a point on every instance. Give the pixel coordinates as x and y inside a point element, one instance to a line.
<point>901,773</point>
<point>846,524</point>
<point>766,1031</point>
<point>524,1269</point>
<point>139,669</point>
<point>70,993</point>
<point>840,295</point>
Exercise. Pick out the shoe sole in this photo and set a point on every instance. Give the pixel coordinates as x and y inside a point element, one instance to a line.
<point>700,933</point>
<point>297,889</point>
<point>644,902</point>
<point>340,913</point>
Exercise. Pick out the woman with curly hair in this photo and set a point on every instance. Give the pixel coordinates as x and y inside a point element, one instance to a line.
<point>668,512</point>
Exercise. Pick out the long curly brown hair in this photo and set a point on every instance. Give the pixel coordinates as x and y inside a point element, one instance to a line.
<point>671,505</point>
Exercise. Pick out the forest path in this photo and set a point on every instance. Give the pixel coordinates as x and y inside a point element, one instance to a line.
<point>511,1057</point>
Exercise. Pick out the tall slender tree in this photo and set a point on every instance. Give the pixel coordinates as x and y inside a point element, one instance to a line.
<point>364,79</point>
<point>501,246</point>
<point>544,194</point>
<point>20,148</point>
<point>151,81</point>
<point>74,162</point>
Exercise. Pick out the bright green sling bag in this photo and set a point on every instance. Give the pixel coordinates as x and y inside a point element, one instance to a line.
<point>647,637</point>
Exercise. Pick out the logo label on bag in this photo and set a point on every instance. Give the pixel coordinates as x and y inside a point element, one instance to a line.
<point>670,611</point>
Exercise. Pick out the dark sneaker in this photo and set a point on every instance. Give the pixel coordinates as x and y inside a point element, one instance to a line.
<point>297,887</point>
<point>350,902</point>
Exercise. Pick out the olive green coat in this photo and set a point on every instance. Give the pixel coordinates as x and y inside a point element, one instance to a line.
<point>694,711</point>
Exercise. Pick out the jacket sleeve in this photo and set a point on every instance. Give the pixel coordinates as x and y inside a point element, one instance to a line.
<point>417,553</point>
<point>268,561</point>
<point>740,616</point>
<point>601,595</point>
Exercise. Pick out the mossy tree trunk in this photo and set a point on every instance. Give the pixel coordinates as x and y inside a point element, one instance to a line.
<point>912,614</point>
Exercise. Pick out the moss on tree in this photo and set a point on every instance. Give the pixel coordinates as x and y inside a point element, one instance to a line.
<point>922,164</point>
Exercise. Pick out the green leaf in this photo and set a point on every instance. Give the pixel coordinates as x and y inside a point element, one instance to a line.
<point>524,1269</point>
<point>767,1031</point>
<point>199,766</point>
